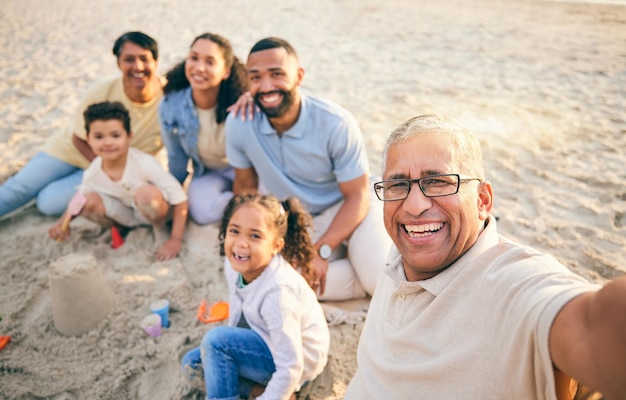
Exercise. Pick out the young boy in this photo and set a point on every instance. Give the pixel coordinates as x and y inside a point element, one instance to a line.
<point>126,186</point>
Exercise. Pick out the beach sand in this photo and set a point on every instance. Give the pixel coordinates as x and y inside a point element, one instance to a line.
<point>543,84</point>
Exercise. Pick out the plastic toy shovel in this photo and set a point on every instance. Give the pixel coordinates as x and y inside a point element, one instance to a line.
<point>73,209</point>
<point>4,340</point>
<point>116,238</point>
<point>217,312</point>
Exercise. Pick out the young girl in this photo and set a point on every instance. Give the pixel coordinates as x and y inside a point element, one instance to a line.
<point>277,339</point>
<point>198,94</point>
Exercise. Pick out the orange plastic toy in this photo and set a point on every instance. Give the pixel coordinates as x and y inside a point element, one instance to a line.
<point>4,340</point>
<point>217,312</point>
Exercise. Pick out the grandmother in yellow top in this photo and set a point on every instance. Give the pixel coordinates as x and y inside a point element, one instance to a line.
<point>52,175</point>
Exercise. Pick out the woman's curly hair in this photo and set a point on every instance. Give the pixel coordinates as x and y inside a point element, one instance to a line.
<point>230,89</point>
<point>291,221</point>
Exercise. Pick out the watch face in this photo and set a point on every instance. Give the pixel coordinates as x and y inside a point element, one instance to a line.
<point>325,251</point>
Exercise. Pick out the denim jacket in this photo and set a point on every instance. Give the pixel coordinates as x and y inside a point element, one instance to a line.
<point>179,129</point>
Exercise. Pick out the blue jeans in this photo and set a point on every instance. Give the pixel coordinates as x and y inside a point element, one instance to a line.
<point>52,181</point>
<point>232,360</point>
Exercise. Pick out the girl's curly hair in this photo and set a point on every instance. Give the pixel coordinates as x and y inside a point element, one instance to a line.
<point>291,221</point>
<point>230,89</point>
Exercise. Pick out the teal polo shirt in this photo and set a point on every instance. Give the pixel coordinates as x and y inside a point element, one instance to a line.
<point>323,148</point>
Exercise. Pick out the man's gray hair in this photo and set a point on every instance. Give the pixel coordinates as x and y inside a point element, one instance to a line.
<point>467,153</point>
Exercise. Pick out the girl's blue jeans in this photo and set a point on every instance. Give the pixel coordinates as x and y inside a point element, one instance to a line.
<point>232,360</point>
<point>52,181</point>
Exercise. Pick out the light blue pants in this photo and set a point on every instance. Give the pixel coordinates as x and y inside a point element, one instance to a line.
<point>209,194</point>
<point>232,360</point>
<point>50,180</point>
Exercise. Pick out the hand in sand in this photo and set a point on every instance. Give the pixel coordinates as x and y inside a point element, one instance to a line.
<point>56,231</point>
<point>169,249</point>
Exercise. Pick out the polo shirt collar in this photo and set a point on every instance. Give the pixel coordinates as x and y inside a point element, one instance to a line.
<point>435,285</point>
<point>297,130</point>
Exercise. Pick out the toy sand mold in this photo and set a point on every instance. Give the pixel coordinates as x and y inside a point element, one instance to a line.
<point>81,296</point>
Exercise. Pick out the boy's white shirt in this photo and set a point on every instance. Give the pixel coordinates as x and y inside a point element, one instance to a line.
<point>141,169</point>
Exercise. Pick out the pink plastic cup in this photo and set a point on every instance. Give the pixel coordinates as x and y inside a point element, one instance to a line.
<point>152,325</point>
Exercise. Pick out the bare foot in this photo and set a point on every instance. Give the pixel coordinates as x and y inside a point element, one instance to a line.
<point>258,390</point>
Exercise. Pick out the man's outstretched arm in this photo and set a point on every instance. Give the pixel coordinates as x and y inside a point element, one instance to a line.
<point>588,339</point>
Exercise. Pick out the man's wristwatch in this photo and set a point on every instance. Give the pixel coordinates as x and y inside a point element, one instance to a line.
<point>325,251</point>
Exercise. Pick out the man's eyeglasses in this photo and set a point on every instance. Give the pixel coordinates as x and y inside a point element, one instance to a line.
<point>431,186</point>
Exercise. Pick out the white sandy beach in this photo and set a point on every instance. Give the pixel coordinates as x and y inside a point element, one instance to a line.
<point>542,83</point>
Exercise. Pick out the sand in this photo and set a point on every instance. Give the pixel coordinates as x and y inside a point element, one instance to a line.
<point>543,84</point>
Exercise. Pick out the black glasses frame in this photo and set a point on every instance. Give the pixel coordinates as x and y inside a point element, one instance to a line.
<point>379,188</point>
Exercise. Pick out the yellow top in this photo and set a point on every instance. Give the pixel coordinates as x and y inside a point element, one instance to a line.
<point>211,140</point>
<point>144,123</point>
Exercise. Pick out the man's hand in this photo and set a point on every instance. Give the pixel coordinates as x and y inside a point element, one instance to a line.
<point>319,276</point>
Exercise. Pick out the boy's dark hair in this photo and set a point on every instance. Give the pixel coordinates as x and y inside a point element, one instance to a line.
<point>140,39</point>
<point>273,43</point>
<point>230,89</point>
<point>289,218</point>
<point>105,111</point>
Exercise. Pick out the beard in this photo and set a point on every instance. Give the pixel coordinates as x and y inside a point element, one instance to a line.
<point>282,108</point>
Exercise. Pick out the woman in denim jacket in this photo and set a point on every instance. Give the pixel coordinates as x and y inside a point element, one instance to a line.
<point>197,96</point>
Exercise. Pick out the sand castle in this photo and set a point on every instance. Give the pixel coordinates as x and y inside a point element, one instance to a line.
<point>80,295</point>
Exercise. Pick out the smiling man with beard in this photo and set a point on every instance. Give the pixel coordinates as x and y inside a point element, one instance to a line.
<point>302,146</point>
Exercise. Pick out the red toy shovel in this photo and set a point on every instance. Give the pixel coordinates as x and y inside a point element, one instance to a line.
<point>116,238</point>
